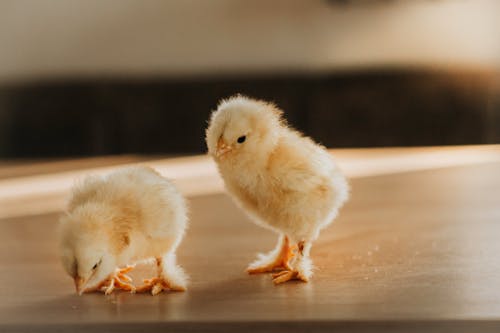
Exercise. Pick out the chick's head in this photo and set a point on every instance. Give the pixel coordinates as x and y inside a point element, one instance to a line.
<point>85,251</point>
<point>243,130</point>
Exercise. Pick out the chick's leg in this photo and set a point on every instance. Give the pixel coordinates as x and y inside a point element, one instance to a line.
<point>277,259</point>
<point>119,280</point>
<point>302,267</point>
<point>170,277</point>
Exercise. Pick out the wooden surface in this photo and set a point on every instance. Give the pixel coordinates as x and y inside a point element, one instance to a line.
<point>412,251</point>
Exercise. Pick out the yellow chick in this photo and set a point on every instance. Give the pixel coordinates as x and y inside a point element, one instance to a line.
<point>282,179</point>
<point>131,215</point>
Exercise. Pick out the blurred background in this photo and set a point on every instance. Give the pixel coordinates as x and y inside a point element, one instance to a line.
<point>103,77</point>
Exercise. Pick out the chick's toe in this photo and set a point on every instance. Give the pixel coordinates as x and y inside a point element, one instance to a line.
<point>157,285</point>
<point>288,275</point>
<point>121,274</point>
<point>119,280</point>
<point>281,262</point>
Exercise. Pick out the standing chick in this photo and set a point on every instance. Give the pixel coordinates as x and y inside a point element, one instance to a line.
<point>283,180</point>
<point>128,216</point>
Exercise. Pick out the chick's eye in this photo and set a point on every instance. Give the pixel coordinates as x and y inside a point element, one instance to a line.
<point>96,265</point>
<point>242,139</point>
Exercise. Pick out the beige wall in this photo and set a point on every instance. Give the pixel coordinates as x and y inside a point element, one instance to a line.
<point>48,38</point>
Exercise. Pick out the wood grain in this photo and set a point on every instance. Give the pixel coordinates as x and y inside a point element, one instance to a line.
<point>414,251</point>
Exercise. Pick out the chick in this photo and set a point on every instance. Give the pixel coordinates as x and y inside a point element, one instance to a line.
<point>283,180</point>
<point>128,216</point>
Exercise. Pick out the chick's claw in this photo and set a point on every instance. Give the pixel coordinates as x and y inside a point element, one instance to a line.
<point>122,273</point>
<point>281,263</point>
<point>119,281</point>
<point>108,286</point>
<point>124,285</point>
<point>288,275</point>
<point>157,285</point>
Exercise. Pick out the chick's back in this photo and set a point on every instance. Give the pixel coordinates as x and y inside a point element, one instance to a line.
<point>143,200</point>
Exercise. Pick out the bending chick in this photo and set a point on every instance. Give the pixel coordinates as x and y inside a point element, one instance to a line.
<point>128,216</point>
<point>283,180</point>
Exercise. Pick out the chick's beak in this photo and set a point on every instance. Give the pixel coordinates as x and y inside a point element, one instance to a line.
<point>222,148</point>
<point>79,285</point>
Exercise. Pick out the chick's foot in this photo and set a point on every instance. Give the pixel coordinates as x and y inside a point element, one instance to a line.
<point>157,285</point>
<point>120,280</point>
<point>281,262</point>
<point>288,275</point>
<point>121,273</point>
<point>302,267</point>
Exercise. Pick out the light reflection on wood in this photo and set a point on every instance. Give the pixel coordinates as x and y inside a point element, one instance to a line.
<point>197,175</point>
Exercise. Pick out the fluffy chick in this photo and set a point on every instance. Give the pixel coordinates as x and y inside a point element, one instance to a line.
<point>283,180</point>
<point>130,215</point>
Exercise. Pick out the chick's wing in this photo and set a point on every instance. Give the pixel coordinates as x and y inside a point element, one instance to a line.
<point>299,166</point>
